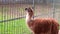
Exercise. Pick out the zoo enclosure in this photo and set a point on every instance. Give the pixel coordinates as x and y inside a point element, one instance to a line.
<point>14,10</point>
<point>52,7</point>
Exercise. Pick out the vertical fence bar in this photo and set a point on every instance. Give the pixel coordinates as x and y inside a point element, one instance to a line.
<point>33,7</point>
<point>53,8</point>
<point>2,20</point>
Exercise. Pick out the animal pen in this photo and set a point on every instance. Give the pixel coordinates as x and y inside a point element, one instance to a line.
<point>12,15</point>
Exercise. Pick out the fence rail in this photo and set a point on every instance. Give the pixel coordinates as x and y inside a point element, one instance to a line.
<point>12,16</point>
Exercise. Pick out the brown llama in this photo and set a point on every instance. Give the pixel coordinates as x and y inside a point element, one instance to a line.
<point>41,25</point>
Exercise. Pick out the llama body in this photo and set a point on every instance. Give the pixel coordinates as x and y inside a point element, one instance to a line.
<point>46,26</point>
<point>41,25</point>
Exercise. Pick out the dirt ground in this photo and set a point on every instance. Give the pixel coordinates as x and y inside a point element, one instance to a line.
<point>17,10</point>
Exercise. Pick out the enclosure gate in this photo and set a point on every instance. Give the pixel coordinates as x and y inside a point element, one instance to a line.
<point>12,15</point>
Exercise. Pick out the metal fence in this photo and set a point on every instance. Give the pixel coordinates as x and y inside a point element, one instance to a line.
<point>12,15</point>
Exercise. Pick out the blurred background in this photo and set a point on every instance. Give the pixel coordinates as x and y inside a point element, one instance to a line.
<point>12,15</point>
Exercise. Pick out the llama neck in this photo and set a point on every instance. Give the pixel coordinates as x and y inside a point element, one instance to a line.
<point>28,17</point>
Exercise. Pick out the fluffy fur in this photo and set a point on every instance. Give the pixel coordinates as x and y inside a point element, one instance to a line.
<point>42,25</point>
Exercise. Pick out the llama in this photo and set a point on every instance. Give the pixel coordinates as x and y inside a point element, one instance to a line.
<point>41,25</point>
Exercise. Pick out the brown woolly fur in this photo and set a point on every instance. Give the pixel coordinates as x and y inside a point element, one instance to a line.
<point>43,26</point>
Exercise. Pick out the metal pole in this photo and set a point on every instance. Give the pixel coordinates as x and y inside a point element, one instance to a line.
<point>53,8</point>
<point>33,7</point>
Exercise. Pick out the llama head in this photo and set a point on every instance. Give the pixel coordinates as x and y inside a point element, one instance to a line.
<point>29,12</point>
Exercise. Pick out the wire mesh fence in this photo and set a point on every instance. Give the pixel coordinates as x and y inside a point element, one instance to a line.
<point>12,15</point>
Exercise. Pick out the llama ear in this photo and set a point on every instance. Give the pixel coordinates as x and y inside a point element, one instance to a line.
<point>26,8</point>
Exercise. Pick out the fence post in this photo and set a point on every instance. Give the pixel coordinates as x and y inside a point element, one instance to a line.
<point>53,8</point>
<point>33,6</point>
